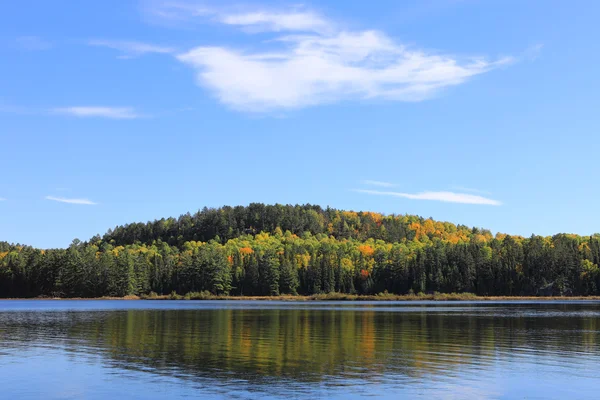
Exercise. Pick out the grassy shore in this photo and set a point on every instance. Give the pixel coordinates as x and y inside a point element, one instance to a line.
<point>331,297</point>
<point>354,297</point>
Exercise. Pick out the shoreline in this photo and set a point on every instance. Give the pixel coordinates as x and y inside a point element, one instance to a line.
<point>327,297</point>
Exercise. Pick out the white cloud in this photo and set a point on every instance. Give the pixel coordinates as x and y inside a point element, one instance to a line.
<point>449,197</point>
<point>103,112</point>
<point>71,201</point>
<point>296,19</point>
<point>173,11</point>
<point>131,48</point>
<point>309,60</point>
<point>468,189</point>
<point>299,21</point>
<point>377,183</point>
<point>2,199</point>
<point>296,71</point>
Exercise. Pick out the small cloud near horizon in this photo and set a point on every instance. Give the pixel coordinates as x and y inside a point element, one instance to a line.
<point>71,200</point>
<point>443,196</point>
<point>97,111</point>
<point>122,113</point>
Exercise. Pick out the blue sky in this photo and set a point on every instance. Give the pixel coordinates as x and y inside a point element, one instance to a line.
<point>483,113</point>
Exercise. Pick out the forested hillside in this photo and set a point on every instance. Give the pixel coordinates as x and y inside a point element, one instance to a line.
<point>276,249</point>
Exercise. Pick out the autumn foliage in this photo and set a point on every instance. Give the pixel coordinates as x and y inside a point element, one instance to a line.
<point>366,250</point>
<point>275,249</point>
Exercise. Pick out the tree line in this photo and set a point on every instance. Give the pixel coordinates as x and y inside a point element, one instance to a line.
<point>277,249</point>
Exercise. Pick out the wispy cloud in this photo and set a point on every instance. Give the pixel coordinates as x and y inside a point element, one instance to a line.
<point>71,200</point>
<point>175,11</point>
<point>33,43</point>
<point>130,49</point>
<point>297,19</point>
<point>2,199</point>
<point>377,183</point>
<point>91,111</point>
<point>472,190</point>
<point>533,52</point>
<point>320,64</point>
<point>102,112</point>
<point>448,197</point>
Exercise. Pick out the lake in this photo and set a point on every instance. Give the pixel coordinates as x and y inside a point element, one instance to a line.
<point>102,349</point>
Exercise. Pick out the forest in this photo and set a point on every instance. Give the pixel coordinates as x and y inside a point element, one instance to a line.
<point>268,250</point>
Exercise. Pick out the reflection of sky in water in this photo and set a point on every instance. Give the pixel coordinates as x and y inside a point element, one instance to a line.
<point>93,379</point>
<point>148,350</point>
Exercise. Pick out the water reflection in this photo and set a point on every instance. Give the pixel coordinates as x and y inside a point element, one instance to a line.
<point>289,347</point>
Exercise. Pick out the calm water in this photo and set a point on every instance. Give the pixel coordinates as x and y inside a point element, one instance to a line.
<point>171,350</point>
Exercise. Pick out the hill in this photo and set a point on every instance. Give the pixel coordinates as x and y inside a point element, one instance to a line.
<point>283,249</point>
